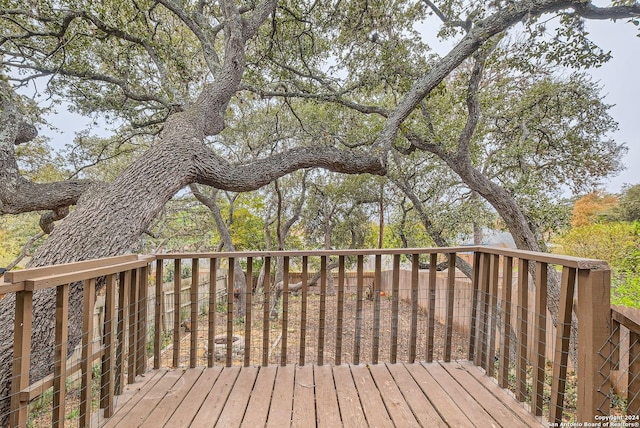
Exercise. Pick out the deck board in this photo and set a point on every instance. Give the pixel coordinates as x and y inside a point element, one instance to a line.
<point>440,398</point>
<point>260,400</point>
<point>327,409</point>
<point>350,407</point>
<point>422,394</point>
<point>393,400</point>
<point>185,413</point>
<point>372,404</point>
<point>236,405</point>
<point>417,402</point>
<point>304,411</point>
<point>172,400</point>
<point>282,398</point>
<point>215,401</point>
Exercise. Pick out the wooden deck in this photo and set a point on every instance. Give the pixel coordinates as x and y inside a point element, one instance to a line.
<point>403,395</point>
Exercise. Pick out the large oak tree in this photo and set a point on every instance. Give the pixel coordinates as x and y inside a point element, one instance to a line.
<point>172,68</point>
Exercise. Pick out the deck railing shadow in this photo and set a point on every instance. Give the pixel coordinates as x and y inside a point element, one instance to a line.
<point>513,318</point>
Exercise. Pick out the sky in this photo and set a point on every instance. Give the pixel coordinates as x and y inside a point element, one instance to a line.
<point>618,77</point>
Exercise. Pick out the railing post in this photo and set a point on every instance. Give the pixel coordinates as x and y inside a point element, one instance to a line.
<point>133,326</point>
<point>323,309</point>
<point>230,301</point>
<point>107,374</point>
<point>142,335</point>
<point>377,285</point>
<point>211,333</point>
<point>177,306</point>
<point>266,323</point>
<point>285,312</point>
<point>475,283</point>
<point>303,311</point>
<point>450,297</point>
<point>563,334</point>
<point>431,299</point>
<point>340,310</point>
<point>395,301</point>
<point>594,329</point>
<point>247,312</point>
<point>522,329</point>
<point>124,283</point>
<point>193,338</point>
<point>21,357</point>
<point>539,339</point>
<point>415,265</point>
<point>359,291</point>
<point>158,307</point>
<point>88,303</point>
<point>60,355</point>
<point>505,348</point>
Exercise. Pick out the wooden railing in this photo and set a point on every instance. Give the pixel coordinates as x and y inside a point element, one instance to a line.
<point>498,319</point>
<point>625,356</point>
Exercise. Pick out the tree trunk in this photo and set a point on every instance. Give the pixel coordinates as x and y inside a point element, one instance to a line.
<point>239,280</point>
<point>108,220</point>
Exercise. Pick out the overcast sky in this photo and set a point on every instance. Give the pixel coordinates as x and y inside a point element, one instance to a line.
<point>619,78</point>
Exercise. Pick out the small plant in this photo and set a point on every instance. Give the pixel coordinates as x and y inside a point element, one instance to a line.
<point>186,272</point>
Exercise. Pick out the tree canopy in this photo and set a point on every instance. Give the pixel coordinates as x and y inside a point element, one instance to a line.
<point>235,95</point>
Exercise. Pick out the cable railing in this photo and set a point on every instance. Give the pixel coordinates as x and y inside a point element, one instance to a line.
<point>538,324</point>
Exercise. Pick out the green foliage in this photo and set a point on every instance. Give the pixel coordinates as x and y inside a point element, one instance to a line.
<point>616,242</point>
<point>629,209</point>
<point>613,242</point>
<point>15,232</point>
<point>169,272</point>
<point>625,290</point>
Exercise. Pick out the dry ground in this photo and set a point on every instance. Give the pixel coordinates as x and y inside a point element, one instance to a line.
<point>313,323</point>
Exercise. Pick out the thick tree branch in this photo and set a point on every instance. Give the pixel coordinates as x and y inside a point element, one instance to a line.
<point>473,104</point>
<point>196,26</point>
<point>214,171</point>
<point>591,11</point>
<point>259,15</point>
<point>482,31</point>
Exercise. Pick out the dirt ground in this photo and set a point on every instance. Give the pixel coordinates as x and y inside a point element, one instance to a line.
<point>314,320</point>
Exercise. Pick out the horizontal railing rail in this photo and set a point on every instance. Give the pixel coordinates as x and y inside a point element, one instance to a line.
<point>513,317</point>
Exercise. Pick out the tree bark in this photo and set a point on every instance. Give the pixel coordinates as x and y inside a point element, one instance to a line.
<point>109,220</point>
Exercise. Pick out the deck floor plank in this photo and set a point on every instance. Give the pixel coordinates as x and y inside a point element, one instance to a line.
<point>183,416</point>
<point>215,401</point>
<point>150,400</point>
<point>402,395</point>
<point>304,409</point>
<point>260,400</point>
<point>496,408</point>
<point>282,398</point>
<point>467,403</point>
<point>422,408</point>
<point>505,397</point>
<point>173,399</point>
<point>372,404</point>
<point>394,402</point>
<point>327,408</point>
<point>439,397</point>
<point>239,398</point>
<point>348,398</point>
<point>131,395</point>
